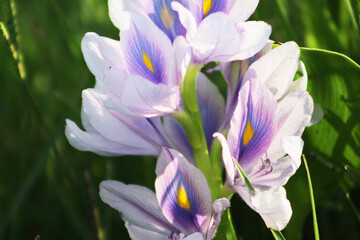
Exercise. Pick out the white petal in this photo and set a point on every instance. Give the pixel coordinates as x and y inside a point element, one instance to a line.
<point>242,9</point>
<point>227,158</point>
<point>271,203</point>
<point>100,54</point>
<point>293,115</point>
<point>277,68</point>
<point>195,236</point>
<point>118,10</point>
<point>317,115</point>
<point>138,233</point>
<point>144,98</point>
<point>254,35</point>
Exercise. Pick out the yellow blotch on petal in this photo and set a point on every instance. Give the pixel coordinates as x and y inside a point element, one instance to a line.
<point>248,134</point>
<point>207,5</point>
<point>182,199</point>
<point>147,61</point>
<point>166,17</point>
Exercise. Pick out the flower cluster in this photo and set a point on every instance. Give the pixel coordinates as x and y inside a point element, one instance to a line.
<point>151,98</point>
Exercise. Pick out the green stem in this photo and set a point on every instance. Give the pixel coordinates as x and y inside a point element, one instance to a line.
<point>316,229</point>
<point>190,119</point>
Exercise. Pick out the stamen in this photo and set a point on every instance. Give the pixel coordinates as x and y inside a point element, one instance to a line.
<point>207,5</point>
<point>248,134</point>
<point>166,17</point>
<point>182,199</point>
<point>147,61</point>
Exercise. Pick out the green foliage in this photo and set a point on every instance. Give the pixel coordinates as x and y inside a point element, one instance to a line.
<point>48,189</point>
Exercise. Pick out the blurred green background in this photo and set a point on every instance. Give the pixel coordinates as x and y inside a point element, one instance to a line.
<point>48,188</point>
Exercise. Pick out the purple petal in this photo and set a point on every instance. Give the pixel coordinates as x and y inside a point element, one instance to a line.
<point>211,105</point>
<point>137,205</point>
<point>183,193</point>
<point>253,125</point>
<point>176,136</point>
<point>234,75</point>
<point>167,19</point>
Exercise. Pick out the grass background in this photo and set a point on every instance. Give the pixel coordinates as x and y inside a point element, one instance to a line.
<point>48,188</point>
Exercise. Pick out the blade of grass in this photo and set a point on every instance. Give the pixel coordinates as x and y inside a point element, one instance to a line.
<point>353,206</point>
<point>352,14</point>
<point>244,177</point>
<point>316,229</point>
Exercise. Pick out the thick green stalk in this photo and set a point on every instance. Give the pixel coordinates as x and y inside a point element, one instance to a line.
<point>190,119</point>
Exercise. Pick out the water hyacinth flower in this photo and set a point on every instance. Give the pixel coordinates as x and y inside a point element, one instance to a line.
<point>180,209</point>
<point>139,72</point>
<point>264,138</point>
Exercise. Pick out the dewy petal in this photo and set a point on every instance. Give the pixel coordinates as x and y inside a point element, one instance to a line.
<point>137,205</point>
<point>183,193</point>
<point>219,207</point>
<point>100,54</point>
<point>211,105</point>
<point>293,115</point>
<point>277,68</point>
<point>253,124</point>
<point>271,203</point>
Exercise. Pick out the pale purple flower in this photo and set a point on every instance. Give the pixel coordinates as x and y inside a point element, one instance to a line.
<point>139,73</point>
<point>180,209</point>
<point>207,30</point>
<point>264,138</point>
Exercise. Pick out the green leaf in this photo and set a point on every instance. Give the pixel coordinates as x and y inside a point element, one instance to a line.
<point>333,142</point>
<point>243,176</point>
